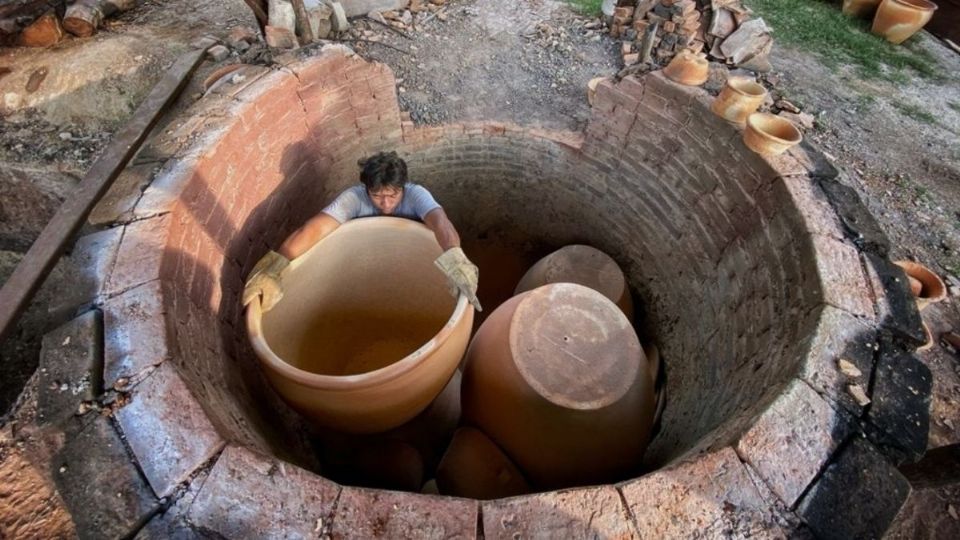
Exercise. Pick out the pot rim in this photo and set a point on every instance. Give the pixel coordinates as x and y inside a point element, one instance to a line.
<point>347,383</point>
<point>748,81</point>
<point>923,5</point>
<point>753,118</point>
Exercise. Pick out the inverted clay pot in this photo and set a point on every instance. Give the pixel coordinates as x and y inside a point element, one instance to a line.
<point>475,467</point>
<point>739,98</point>
<point>557,379</point>
<point>932,288</point>
<point>897,20</point>
<point>583,265</point>
<point>770,135</point>
<point>688,67</point>
<point>366,335</point>
<point>859,8</point>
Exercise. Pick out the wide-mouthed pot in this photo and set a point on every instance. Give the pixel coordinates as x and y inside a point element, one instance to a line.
<point>770,135</point>
<point>739,98</point>
<point>367,334</point>
<point>689,68</point>
<point>897,20</point>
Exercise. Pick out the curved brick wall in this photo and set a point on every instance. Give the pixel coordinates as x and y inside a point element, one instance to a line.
<point>747,281</point>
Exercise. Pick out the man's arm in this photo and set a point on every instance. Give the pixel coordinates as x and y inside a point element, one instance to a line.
<point>304,238</point>
<point>437,221</point>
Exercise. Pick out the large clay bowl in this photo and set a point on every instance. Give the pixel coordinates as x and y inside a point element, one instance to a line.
<point>366,335</point>
<point>932,289</point>
<point>689,68</point>
<point>557,379</point>
<point>583,265</point>
<point>770,135</point>
<point>897,20</point>
<point>859,8</point>
<point>739,98</point>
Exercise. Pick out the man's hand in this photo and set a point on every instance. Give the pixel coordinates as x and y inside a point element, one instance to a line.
<point>462,274</point>
<point>264,281</point>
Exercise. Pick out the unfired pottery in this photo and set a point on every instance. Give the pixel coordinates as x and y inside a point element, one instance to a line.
<point>932,288</point>
<point>739,98</point>
<point>860,8</point>
<point>557,379</point>
<point>770,135</point>
<point>897,20</point>
<point>584,265</point>
<point>475,467</point>
<point>366,335</point>
<point>688,67</point>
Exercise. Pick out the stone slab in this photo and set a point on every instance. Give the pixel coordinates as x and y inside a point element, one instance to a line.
<point>792,440</point>
<point>927,515</point>
<point>105,493</point>
<point>140,254</point>
<point>367,513</point>
<point>711,496</point>
<point>172,523</point>
<point>136,336</point>
<point>361,7</point>
<point>117,204</point>
<point>857,497</point>
<point>595,512</point>
<point>80,276</point>
<point>894,303</point>
<point>842,280</point>
<point>71,360</point>
<point>167,430</point>
<point>248,495</point>
<point>861,227</point>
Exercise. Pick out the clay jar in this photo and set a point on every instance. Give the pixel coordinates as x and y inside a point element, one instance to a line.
<point>859,8</point>
<point>739,98</point>
<point>897,20</point>
<point>770,135</point>
<point>931,290</point>
<point>366,335</point>
<point>557,379</point>
<point>475,467</point>
<point>688,68</point>
<point>585,266</point>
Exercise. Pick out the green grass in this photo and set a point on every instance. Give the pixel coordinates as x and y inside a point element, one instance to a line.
<point>917,113</point>
<point>586,7</point>
<point>820,27</point>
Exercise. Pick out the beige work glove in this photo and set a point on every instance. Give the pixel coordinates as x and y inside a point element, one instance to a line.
<point>462,274</point>
<point>264,281</point>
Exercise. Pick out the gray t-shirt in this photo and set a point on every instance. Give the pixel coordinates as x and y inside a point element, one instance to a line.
<point>354,202</point>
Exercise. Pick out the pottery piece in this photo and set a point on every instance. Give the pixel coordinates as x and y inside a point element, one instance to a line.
<point>932,288</point>
<point>860,8</point>
<point>585,266</point>
<point>353,347</point>
<point>557,379</point>
<point>592,88</point>
<point>739,98</point>
<point>897,20</point>
<point>475,467</point>
<point>688,67</point>
<point>770,135</point>
<point>653,359</point>
<point>915,285</point>
<point>928,338</point>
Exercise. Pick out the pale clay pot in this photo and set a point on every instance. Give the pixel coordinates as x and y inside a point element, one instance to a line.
<point>557,379</point>
<point>689,68</point>
<point>932,289</point>
<point>770,135</point>
<point>357,348</point>
<point>739,98</point>
<point>897,20</point>
<point>860,8</point>
<point>475,467</point>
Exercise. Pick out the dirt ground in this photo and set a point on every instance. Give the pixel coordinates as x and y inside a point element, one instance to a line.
<point>524,61</point>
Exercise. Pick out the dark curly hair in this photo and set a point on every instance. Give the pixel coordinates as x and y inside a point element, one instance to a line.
<point>385,169</point>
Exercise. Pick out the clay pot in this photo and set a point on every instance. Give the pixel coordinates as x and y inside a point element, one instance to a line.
<point>688,68</point>
<point>932,288</point>
<point>897,20</point>
<point>475,467</point>
<point>366,335</point>
<point>585,266</point>
<point>592,88</point>
<point>928,338</point>
<point>859,8</point>
<point>739,99</point>
<point>557,379</point>
<point>770,135</point>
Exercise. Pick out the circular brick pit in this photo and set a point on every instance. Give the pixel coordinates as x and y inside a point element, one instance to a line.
<point>739,264</point>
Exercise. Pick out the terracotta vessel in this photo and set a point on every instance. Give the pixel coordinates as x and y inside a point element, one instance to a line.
<point>897,20</point>
<point>739,98</point>
<point>688,67</point>
<point>592,88</point>
<point>859,8</point>
<point>475,467</point>
<point>928,338</point>
<point>932,288</point>
<point>356,348</point>
<point>770,135</point>
<point>556,378</point>
<point>583,265</point>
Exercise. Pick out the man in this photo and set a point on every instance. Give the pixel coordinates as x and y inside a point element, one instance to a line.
<point>385,191</point>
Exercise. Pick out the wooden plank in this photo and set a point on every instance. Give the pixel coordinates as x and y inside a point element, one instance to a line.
<point>58,233</point>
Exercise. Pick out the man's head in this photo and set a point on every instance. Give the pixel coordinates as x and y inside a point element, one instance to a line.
<point>384,176</point>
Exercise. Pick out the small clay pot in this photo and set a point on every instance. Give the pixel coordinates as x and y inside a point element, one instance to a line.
<point>688,67</point>
<point>860,8</point>
<point>770,135</point>
<point>932,288</point>
<point>557,379</point>
<point>739,98</point>
<point>897,20</point>
<point>475,467</point>
<point>584,265</point>
<point>592,88</point>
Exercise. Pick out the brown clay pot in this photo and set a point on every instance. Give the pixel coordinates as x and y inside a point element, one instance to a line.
<point>356,348</point>
<point>928,338</point>
<point>770,135</point>
<point>688,67</point>
<point>556,378</point>
<point>932,288</point>
<point>859,8</point>
<point>475,467</point>
<point>897,20</point>
<point>739,98</point>
<point>583,265</point>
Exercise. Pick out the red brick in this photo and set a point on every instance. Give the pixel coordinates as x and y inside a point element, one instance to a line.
<point>595,512</point>
<point>364,513</point>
